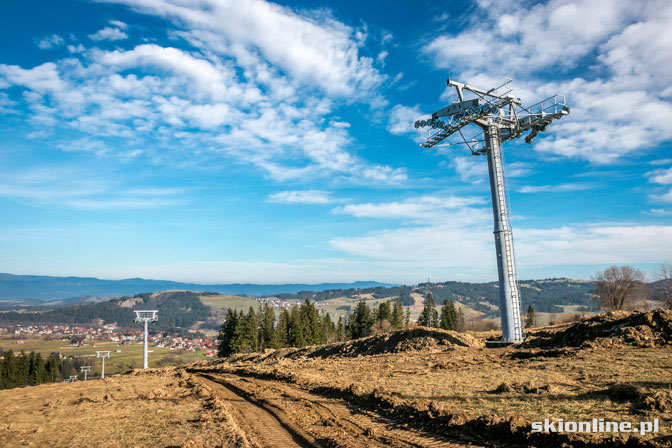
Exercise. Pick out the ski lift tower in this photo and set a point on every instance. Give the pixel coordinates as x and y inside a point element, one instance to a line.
<point>146,316</point>
<point>103,354</point>
<point>500,117</point>
<point>85,370</point>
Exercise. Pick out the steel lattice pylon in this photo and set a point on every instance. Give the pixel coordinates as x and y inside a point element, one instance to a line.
<point>501,117</point>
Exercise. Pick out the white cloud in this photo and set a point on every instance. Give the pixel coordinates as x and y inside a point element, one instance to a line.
<point>453,232</point>
<point>418,209</point>
<point>313,48</point>
<point>659,212</point>
<point>558,32</point>
<point>662,176</point>
<point>49,42</point>
<point>560,188</point>
<point>108,33</point>
<point>240,96</point>
<point>381,57</point>
<point>402,118</point>
<point>470,246</point>
<point>665,197</point>
<point>313,197</point>
<point>118,24</point>
<point>178,89</point>
<point>79,48</point>
<point>472,169</point>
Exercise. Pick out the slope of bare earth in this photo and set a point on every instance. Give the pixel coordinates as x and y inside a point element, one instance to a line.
<point>415,388</point>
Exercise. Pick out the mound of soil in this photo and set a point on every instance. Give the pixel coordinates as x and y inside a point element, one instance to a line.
<point>639,329</point>
<point>523,388</point>
<point>414,340</point>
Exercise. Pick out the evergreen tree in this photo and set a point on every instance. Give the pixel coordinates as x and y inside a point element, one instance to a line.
<point>361,321</point>
<point>328,328</point>
<point>283,328</point>
<point>226,332</point>
<point>52,368</point>
<point>296,329</point>
<point>313,324</point>
<point>27,369</point>
<point>448,315</point>
<point>384,312</point>
<point>397,320</point>
<point>531,319</point>
<point>269,336</point>
<point>340,330</point>
<point>9,372</point>
<point>407,318</point>
<point>429,316</point>
<point>245,335</point>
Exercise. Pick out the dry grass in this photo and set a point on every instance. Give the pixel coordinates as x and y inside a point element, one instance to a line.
<point>162,408</point>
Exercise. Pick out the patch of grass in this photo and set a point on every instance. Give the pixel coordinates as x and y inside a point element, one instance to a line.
<point>221,302</point>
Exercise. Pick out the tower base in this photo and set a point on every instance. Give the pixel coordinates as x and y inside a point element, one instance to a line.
<point>498,344</point>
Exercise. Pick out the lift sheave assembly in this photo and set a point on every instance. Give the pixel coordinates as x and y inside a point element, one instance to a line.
<point>501,116</point>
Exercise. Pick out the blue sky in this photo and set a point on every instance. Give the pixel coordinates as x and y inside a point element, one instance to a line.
<point>249,141</point>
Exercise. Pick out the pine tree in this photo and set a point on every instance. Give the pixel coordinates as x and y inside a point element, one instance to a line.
<point>429,316</point>
<point>531,320</point>
<point>283,328</point>
<point>313,324</point>
<point>32,369</point>
<point>269,335</point>
<point>245,334</point>
<point>384,312</point>
<point>52,368</point>
<point>407,318</point>
<point>296,329</point>
<point>448,315</point>
<point>226,332</point>
<point>328,328</point>
<point>340,330</point>
<point>361,321</point>
<point>397,320</point>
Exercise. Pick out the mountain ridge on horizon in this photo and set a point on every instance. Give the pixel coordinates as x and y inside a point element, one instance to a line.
<point>15,287</point>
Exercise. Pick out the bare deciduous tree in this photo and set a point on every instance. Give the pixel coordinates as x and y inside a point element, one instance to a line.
<point>663,286</point>
<point>619,287</point>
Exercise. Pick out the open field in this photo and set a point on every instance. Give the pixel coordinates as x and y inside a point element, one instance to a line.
<point>221,302</point>
<point>130,356</point>
<point>411,388</point>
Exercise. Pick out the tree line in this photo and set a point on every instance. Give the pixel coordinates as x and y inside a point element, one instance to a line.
<point>303,325</point>
<point>450,318</point>
<point>32,369</point>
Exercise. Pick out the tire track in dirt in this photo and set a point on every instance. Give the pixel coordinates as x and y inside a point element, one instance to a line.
<point>332,420</point>
<point>259,424</point>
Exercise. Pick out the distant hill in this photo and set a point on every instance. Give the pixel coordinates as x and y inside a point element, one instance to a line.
<point>177,310</point>
<point>544,295</point>
<point>44,288</point>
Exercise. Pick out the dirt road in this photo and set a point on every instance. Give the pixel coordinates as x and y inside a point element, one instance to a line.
<point>275,414</point>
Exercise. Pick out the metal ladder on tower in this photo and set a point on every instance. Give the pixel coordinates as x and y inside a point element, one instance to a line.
<point>508,243</point>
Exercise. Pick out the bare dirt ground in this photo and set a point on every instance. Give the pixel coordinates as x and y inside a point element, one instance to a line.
<point>415,388</point>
